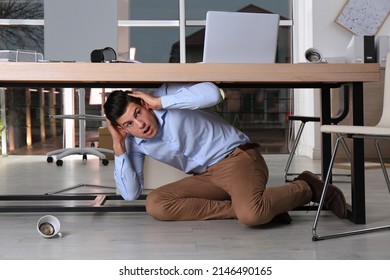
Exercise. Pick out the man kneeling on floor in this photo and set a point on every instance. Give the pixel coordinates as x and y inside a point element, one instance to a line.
<point>229,174</point>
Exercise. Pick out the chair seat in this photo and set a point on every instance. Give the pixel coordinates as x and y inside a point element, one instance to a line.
<point>353,129</point>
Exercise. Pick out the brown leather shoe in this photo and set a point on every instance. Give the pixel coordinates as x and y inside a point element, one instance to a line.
<point>334,198</point>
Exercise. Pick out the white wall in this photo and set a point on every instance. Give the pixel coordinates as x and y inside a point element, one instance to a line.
<point>331,39</point>
<point>329,36</point>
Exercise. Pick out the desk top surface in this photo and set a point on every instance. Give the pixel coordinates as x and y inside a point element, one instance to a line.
<point>114,74</point>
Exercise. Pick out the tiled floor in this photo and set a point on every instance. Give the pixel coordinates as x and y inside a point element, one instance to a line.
<point>127,235</point>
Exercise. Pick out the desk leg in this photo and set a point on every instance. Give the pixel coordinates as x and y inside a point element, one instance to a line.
<point>326,138</point>
<point>358,211</point>
<point>3,121</point>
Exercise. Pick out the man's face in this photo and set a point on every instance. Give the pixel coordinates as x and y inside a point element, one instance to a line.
<point>139,121</point>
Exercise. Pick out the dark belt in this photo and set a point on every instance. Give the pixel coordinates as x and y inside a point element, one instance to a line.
<point>248,146</point>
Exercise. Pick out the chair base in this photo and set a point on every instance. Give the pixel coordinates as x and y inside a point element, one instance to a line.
<point>61,153</point>
<point>317,237</point>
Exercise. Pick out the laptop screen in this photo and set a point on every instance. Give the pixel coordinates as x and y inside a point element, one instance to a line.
<point>235,37</point>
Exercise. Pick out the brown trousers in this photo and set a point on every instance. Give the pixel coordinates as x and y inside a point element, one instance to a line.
<point>233,188</point>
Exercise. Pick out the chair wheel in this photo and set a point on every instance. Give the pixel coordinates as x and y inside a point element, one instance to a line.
<point>59,162</point>
<point>105,162</point>
<point>49,159</point>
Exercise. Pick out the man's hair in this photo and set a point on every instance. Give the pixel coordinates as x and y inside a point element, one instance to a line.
<point>116,104</point>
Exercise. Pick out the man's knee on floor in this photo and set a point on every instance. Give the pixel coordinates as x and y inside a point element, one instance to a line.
<point>154,206</point>
<point>252,219</point>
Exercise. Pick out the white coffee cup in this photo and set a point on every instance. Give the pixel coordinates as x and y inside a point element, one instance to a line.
<point>49,226</point>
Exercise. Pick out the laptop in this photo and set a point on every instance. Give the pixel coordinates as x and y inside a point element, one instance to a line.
<point>235,37</point>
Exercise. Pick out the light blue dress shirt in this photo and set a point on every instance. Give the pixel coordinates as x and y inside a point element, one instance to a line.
<point>188,138</point>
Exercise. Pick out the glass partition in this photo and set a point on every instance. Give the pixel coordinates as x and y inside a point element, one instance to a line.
<point>151,31</point>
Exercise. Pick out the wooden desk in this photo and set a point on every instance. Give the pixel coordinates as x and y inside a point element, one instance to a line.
<point>119,74</point>
<point>303,75</point>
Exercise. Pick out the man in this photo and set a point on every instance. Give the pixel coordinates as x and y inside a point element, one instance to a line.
<point>229,174</point>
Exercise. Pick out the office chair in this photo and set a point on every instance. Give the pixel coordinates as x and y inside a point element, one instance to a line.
<point>107,54</point>
<point>341,114</point>
<point>84,151</point>
<point>381,131</point>
<point>81,150</point>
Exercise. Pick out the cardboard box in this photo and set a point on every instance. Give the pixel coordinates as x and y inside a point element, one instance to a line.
<point>105,140</point>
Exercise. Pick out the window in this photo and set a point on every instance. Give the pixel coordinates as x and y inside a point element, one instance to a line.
<point>154,26</point>
<point>21,38</point>
<point>21,25</point>
<point>163,31</point>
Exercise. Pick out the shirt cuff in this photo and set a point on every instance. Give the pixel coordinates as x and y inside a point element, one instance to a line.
<point>167,100</point>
